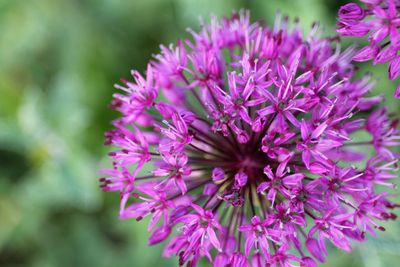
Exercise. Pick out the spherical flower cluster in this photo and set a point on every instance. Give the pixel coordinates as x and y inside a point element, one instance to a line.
<point>246,146</point>
<point>381,19</point>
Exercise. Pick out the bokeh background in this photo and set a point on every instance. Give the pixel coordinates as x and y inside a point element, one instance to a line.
<point>58,63</point>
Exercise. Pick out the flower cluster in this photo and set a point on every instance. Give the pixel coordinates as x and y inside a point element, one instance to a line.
<point>246,145</point>
<point>381,20</point>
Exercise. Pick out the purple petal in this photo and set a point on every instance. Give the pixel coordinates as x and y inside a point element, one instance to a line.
<point>281,168</point>
<point>319,130</point>
<point>210,189</point>
<point>245,228</point>
<point>268,172</point>
<point>394,68</point>
<point>292,118</point>
<point>248,245</point>
<point>397,93</point>
<point>262,187</point>
<point>181,185</point>
<point>154,219</point>
<point>315,250</point>
<point>159,235</point>
<point>366,53</point>
<point>305,133</point>
<point>308,262</point>
<point>222,259</point>
<point>379,35</point>
<point>266,111</point>
<point>213,238</point>
<point>339,240</point>
<point>255,220</point>
<point>306,156</point>
<point>385,55</point>
<point>218,174</point>
<point>293,179</point>
<point>240,179</point>
<point>198,209</point>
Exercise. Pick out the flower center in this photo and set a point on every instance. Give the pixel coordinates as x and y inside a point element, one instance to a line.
<point>203,223</point>
<point>276,182</point>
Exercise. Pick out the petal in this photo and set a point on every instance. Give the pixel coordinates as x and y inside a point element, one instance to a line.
<point>308,262</point>
<point>198,209</point>
<point>339,240</point>
<point>222,259</point>
<point>397,93</point>
<point>258,261</point>
<point>245,115</point>
<point>210,189</point>
<point>213,238</point>
<point>154,219</point>
<point>306,156</point>
<point>218,174</point>
<point>264,245</point>
<point>314,249</point>
<point>306,76</point>
<point>281,168</point>
<point>266,111</point>
<point>379,35</point>
<point>271,196</point>
<point>318,168</point>
<point>159,235</point>
<point>245,228</point>
<point>268,172</point>
<point>187,219</point>
<point>248,245</point>
<point>255,220</point>
<point>394,68</point>
<point>262,187</point>
<point>195,239</point>
<point>240,180</point>
<point>292,118</point>
<point>319,130</point>
<point>181,184</point>
<point>366,53</point>
<point>293,179</point>
<point>385,55</point>
<point>305,133</point>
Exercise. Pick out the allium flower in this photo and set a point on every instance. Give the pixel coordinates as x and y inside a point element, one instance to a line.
<point>381,20</point>
<point>241,145</point>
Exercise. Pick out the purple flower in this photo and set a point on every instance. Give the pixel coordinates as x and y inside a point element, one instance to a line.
<point>328,227</point>
<point>140,96</point>
<point>384,132</point>
<point>174,166</point>
<point>258,236</point>
<point>279,182</point>
<point>238,260</point>
<point>202,223</point>
<point>240,145</point>
<point>381,19</point>
<point>284,259</point>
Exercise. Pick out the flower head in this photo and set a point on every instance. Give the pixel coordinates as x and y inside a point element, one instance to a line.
<point>244,138</point>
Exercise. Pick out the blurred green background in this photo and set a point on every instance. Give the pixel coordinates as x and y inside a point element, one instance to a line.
<point>58,63</point>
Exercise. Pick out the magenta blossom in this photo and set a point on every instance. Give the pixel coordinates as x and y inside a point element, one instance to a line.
<point>240,145</point>
<point>381,20</point>
<point>258,235</point>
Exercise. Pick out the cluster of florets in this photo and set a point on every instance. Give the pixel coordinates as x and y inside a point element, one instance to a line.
<point>381,20</point>
<point>245,140</point>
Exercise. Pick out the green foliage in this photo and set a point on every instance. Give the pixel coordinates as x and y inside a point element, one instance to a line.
<point>58,62</point>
